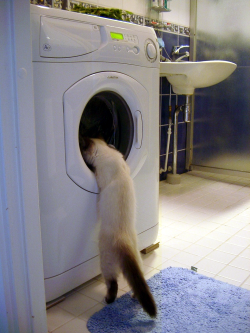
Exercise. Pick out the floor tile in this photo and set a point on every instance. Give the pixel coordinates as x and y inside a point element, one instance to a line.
<point>199,230</point>
<point>244,233</point>
<point>240,262</point>
<point>153,260</point>
<point>206,273</point>
<point>228,230</point>
<point>245,253</point>
<point>170,232</point>
<point>220,236</point>
<point>234,273</point>
<point>96,291</point>
<point>245,286</point>
<point>231,248</point>
<point>87,314</point>
<point>172,263</point>
<point>209,242</point>
<point>247,280</point>
<point>77,304</point>
<point>189,237</point>
<point>165,221</point>
<point>151,273</point>
<point>186,258</point>
<point>238,222</point>
<point>146,269</point>
<point>199,250</point>
<point>56,317</point>
<point>209,225</point>
<point>211,266</point>
<point>178,244</point>
<point>247,227</point>
<point>168,252</point>
<point>74,326</point>
<point>240,241</point>
<point>178,225</point>
<point>227,280</point>
<point>220,256</point>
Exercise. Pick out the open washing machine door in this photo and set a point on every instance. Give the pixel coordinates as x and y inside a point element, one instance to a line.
<point>110,104</point>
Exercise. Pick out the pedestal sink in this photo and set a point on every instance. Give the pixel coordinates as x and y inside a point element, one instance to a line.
<point>185,76</point>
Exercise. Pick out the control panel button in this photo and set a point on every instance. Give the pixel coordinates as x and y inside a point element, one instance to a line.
<point>135,50</point>
<point>151,51</point>
<point>130,38</point>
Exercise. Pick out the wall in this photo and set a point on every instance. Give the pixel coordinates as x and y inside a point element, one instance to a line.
<point>179,14</point>
<point>222,112</point>
<point>170,40</point>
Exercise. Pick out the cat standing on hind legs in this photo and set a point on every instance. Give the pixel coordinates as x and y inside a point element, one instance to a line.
<point>116,206</point>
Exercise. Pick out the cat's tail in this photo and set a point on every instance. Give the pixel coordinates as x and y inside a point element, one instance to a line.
<point>132,272</point>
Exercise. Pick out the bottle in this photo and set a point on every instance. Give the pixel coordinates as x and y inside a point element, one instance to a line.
<point>154,3</point>
<point>161,3</point>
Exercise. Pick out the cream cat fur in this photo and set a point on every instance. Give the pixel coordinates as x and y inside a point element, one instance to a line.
<point>117,238</point>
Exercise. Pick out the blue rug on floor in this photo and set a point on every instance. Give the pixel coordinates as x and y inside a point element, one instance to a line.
<point>186,301</point>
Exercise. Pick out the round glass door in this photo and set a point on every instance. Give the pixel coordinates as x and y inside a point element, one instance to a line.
<point>108,116</point>
<point>110,105</point>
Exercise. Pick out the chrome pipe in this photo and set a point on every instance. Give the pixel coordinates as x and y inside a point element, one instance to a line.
<point>187,109</point>
<point>187,117</point>
<point>176,114</point>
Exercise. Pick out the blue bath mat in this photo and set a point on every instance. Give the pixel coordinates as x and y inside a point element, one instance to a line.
<point>187,302</point>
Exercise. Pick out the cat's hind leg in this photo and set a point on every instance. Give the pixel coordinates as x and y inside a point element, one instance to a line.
<point>110,273</point>
<point>112,289</point>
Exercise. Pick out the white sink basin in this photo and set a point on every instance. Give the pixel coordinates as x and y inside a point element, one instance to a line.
<point>185,76</point>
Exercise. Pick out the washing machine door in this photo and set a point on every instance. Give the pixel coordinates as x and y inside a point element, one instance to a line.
<point>126,104</point>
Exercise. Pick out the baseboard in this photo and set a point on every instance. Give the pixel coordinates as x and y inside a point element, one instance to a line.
<point>221,171</point>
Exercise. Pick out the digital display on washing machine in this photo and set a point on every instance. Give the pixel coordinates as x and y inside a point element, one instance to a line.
<point>116,35</point>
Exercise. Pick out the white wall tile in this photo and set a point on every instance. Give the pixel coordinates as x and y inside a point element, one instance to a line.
<point>140,7</point>
<point>111,3</point>
<point>180,12</point>
<point>180,9</point>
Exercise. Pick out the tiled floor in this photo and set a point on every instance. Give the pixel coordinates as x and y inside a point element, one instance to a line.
<point>204,222</point>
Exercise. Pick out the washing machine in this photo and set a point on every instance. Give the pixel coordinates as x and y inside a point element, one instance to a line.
<point>92,76</point>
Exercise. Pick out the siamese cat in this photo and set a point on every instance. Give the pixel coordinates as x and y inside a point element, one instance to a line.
<point>116,206</point>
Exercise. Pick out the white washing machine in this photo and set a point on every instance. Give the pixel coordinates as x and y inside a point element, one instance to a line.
<point>91,74</point>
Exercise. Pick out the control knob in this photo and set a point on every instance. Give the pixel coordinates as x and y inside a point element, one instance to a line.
<point>151,51</point>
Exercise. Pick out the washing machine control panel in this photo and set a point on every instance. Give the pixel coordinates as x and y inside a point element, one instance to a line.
<point>61,36</point>
<point>130,44</point>
<point>125,42</point>
<point>120,37</point>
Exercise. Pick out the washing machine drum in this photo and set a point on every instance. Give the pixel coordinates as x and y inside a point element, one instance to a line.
<point>110,105</point>
<point>108,116</point>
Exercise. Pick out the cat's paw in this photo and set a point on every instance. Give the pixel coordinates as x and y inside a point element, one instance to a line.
<point>109,300</point>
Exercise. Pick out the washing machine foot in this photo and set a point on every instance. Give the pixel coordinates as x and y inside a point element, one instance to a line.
<point>150,248</point>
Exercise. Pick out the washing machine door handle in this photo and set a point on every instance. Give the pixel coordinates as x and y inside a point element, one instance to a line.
<point>138,129</point>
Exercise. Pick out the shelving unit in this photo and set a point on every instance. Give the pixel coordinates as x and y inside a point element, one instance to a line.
<point>161,9</point>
